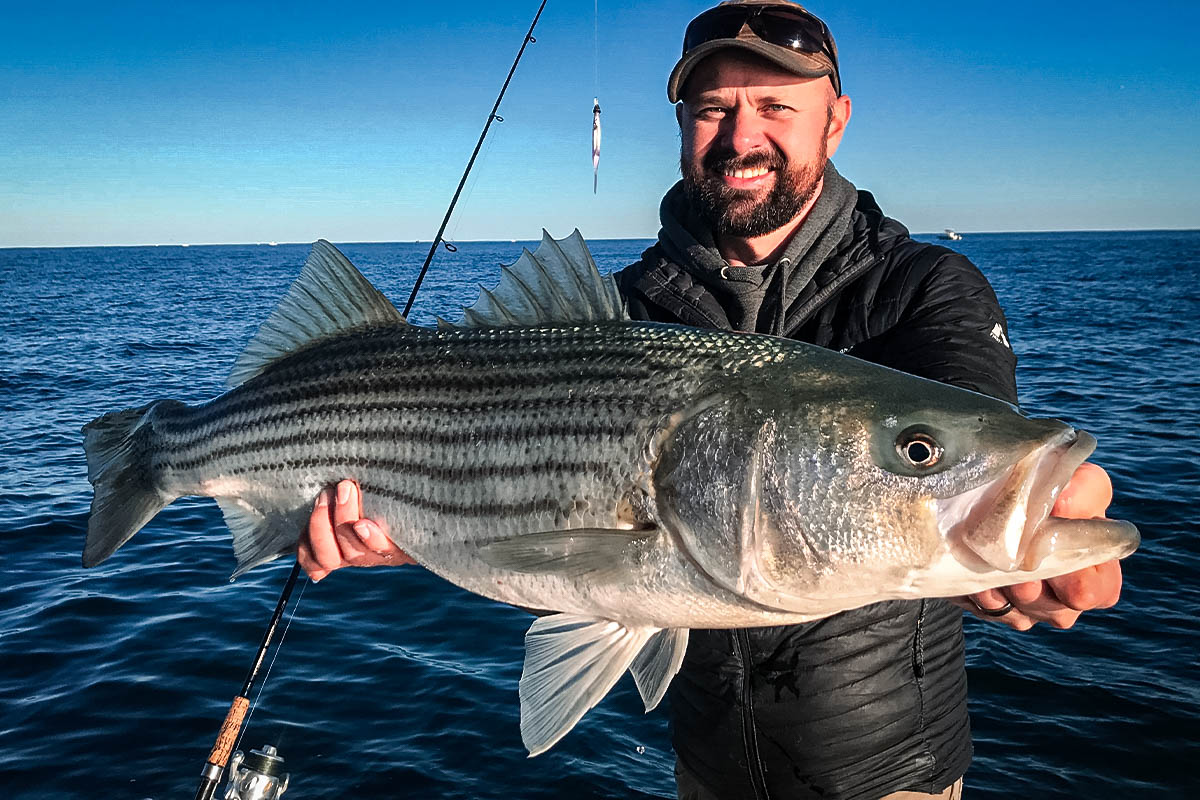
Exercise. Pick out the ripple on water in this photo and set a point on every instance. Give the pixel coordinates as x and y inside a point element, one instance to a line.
<point>118,677</point>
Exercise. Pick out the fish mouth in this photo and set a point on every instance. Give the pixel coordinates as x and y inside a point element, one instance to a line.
<point>1004,522</point>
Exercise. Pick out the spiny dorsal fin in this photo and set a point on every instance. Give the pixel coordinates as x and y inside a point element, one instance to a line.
<point>557,283</point>
<point>329,297</point>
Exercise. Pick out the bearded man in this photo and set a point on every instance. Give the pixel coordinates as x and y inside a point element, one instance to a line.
<point>763,235</point>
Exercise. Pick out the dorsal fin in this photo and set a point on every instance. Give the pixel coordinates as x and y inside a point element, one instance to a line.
<point>557,283</point>
<point>329,297</point>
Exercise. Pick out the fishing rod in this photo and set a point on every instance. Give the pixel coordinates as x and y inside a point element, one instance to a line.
<point>210,776</point>
<point>492,117</point>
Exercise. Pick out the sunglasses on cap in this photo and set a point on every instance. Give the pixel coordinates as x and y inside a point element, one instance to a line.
<point>783,26</point>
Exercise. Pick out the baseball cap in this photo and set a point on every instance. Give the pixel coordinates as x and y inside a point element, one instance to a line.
<point>786,34</point>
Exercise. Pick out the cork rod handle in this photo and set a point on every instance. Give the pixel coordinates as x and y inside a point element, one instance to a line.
<point>229,732</point>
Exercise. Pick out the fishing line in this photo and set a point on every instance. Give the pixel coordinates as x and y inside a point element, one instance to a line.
<point>471,186</point>
<point>232,725</point>
<point>596,97</point>
<point>262,687</point>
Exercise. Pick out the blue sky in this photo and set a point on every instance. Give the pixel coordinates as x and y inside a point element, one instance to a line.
<point>133,123</point>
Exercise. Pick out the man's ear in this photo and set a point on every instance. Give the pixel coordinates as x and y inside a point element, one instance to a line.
<point>839,116</point>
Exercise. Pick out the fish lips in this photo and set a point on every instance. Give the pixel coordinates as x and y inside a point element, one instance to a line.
<point>1006,523</point>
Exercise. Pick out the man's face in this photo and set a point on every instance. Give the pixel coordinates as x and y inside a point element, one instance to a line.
<point>754,142</point>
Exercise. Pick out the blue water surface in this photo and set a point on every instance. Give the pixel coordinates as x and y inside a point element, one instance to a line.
<point>391,682</point>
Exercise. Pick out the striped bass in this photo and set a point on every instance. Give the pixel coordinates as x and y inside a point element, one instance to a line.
<point>639,479</point>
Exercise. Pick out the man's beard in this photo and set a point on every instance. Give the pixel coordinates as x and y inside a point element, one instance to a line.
<point>740,212</point>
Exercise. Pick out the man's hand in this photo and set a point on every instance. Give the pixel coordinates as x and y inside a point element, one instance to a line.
<point>1059,601</point>
<point>337,536</point>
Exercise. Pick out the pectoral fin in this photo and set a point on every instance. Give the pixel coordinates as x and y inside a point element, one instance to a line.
<point>598,553</point>
<point>571,662</point>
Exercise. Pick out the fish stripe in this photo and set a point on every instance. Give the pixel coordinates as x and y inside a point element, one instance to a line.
<point>401,347</point>
<point>410,393</point>
<point>185,458</point>
<point>477,510</point>
<point>437,471</point>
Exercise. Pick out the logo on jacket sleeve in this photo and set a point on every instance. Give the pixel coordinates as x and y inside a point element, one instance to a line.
<point>998,335</point>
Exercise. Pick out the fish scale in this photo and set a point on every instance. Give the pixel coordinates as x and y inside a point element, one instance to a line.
<point>405,436</point>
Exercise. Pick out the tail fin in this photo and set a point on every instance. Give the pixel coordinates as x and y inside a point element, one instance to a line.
<point>125,498</point>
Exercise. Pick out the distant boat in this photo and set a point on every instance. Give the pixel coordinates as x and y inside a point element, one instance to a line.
<point>272,244</point>
<point>950,234</point>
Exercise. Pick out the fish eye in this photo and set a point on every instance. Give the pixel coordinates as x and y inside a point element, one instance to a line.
<point>919,449</point>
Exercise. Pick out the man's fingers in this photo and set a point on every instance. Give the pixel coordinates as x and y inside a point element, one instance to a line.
<point>1016,620</point>
<point>1036,602</point>
<point>304,551</point>
<point>1045,607</point>
<point>349,545</point>
<point>331,537</point>
<point>305,557</point>
<point>320,523</point>
<point>338,535</point>
<point>1088,494</point>
<point>994,599</point>
<point>988,599</point>
<point>356,535</point>
<point>348,507</point>
<point>1108,590</point>
<point>1093,587</point>
<point>1074,590</point>
<point>1023,594</point>
<point>377,541</point>
<point>321,538</point>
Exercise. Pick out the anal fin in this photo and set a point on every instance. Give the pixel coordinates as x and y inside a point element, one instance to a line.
<point>657,664</point>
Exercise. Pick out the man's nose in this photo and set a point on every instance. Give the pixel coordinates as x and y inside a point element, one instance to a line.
<point>744,130</point>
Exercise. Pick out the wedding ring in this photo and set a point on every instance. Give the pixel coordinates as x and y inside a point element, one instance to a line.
<point>992,612</point>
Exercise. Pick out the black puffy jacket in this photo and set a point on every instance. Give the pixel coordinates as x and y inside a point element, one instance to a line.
<point>873,700</point>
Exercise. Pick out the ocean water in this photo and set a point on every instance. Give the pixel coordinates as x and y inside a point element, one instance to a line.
<point>391,682</point>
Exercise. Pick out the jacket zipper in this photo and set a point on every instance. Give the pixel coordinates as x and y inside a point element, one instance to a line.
<point>823,296</point>
<point>749,736</point>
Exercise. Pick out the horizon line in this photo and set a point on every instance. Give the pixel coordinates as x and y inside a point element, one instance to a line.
<point>590,239</point>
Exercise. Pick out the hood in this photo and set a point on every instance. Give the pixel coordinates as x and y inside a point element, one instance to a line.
<point>682,270</point>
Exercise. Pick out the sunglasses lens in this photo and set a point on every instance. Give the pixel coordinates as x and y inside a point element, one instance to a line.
<point>720,23</point>
<point>804,34</point>
<point>779,26</point>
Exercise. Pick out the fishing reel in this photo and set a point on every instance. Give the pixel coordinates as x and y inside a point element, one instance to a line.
<point>257,776</point>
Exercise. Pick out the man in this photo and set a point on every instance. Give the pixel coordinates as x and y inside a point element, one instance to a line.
<point>762,234</point>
